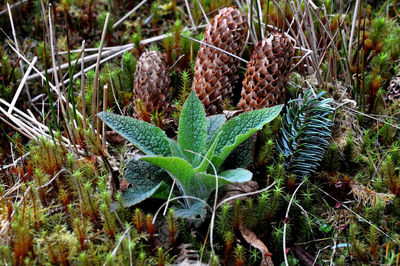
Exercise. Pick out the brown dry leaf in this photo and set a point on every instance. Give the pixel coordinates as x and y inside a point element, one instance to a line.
<point>114,138</point>
<point>364,195</point>
<point>305,257</point>
<point>124,185</point>
<point>240,188</point>
<point>254,241</point>
<point>231,114</point>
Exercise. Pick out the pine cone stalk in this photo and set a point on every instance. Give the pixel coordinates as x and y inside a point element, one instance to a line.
<point>267,73</point>
<point>215,71</point>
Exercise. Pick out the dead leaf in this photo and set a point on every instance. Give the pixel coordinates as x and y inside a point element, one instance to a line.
<point>231,114</point>
<point>124,185</point>
<point>240,188</point>
<point>254,241</point>
<point>365,195</point>
<point>304,257</point>
<point>114,138</point>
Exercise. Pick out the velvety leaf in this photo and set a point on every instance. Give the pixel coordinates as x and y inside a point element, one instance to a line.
<point>241,156</point>
<point>214,123</point>
<point>146,181</point>
<point>192,131</point>
<point>237,175</point>
<point>206,183</point>
<point>177,167</point>
<point>196,212</point>
<point>206,161</point>
<point>146,137</point>
<point>239,128</point>
<point>176,151</point>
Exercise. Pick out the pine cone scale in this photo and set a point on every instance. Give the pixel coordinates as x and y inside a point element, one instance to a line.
<point>152,80</point>
<point>267,73</point>
<point>215,71</point>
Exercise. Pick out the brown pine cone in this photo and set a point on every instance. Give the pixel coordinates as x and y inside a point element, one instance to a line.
<point>152,82</point>
<point>394,89</point>
<point>215,71</point>
<point>267,73</point>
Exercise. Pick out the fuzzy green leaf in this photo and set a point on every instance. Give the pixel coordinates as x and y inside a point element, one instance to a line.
<point>208,184</point>
<point>146,137</point>
<point>196,212</point>
<point>214,123</point>
<point>192,131</point>
<point>241,157</point>
<point>206,161</point>
<point>239,128</point>
<point>178,168</point>
<point>176,151</point>
<point>237,175</point>
<point>196,184</point>
<point>146,181</point>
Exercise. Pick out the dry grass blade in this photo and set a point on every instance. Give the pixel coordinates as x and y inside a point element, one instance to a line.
<point>287,221</point>
<point>83,87</point>
<point>25,129</point>
<point>109,48</point>
<point>17,45</point>
<point>304,18</point>
<point>113,90</point>
<point>116,24</point>
<point>260,16</point>
<point>54,61</point>
<point>216,48</point>
<point>123,236</point>
<point>190,13</point>
<point>52,87</point>
<point>16,129</point>
<point>202,11</point>
<point>95,101</point>
<point>353,27</point>
<point>65,65</point>
<point>85,70</point>
<point>12,6</point>
<point>103,133</point>
<point>32,119</point>
<point>23,82</point>
<point>25,122</point>
<point>370,116</point>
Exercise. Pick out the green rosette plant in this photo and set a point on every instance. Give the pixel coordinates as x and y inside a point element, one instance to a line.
<point>203,143</point>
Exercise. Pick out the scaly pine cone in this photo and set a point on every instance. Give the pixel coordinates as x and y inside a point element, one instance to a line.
<point>267,73</point>
<point>215,71</point>
<point>394,89</point>
<point>152,81</point>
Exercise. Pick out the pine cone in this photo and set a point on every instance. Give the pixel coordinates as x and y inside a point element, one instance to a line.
<point>152,82</point>
<point>267,73</point>
<point>394,89</point>
<point>215,71</point>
